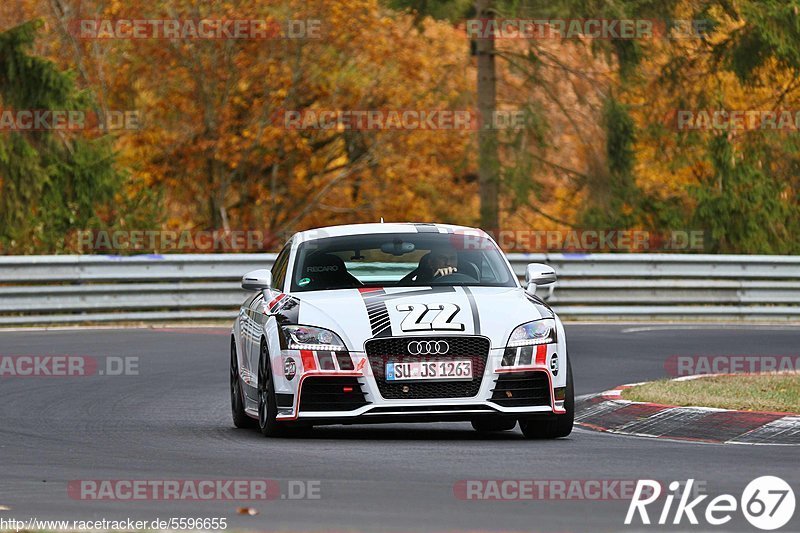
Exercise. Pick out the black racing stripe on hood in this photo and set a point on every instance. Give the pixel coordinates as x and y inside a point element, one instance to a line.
<point>476,319</point>
<point>377,312</point>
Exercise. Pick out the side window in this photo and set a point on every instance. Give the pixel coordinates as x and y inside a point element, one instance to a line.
<point>280,267</point>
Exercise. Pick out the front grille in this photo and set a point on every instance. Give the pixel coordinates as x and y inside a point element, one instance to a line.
<point>382,351</point>
<point>522,389</point>
<point>322,393</point>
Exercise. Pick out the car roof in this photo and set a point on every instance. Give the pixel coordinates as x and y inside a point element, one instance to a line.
<point>382,227</point>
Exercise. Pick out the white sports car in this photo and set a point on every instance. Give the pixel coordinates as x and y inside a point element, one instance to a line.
<point>398,322</point>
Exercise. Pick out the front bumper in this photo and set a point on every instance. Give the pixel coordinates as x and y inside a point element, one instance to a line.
<point>488,402</point>
<point>414,414</point>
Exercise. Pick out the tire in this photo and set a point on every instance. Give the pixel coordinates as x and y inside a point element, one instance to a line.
<point>240,418</point>
<point>557,426</point>
<point>489,426</point>
<point>267,405</point>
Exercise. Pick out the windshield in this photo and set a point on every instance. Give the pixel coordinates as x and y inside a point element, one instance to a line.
<point>399,260</point>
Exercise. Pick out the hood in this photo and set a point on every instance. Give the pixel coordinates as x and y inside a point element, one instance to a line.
<point>361,314</point>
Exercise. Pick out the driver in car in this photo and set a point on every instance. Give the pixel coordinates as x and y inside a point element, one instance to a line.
<point>437,263</point>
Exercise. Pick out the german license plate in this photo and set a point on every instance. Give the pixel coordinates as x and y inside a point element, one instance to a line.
<point>429,370</point>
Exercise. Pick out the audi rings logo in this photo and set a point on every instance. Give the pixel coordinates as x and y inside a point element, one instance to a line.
<point>428,347</point>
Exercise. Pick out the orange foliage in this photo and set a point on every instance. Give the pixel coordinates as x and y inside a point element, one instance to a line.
<point>210,139</point>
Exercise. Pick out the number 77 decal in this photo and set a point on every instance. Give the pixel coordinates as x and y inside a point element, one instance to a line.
<point>420,318</point>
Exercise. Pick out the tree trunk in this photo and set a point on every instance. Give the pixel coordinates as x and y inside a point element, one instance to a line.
<point>488,161</point>
<point>214,204</point>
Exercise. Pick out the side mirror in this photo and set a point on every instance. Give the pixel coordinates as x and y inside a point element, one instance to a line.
<point>538,274</point>
<point>257,280</point>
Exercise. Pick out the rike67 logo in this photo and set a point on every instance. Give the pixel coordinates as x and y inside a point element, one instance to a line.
<point>767,502</point>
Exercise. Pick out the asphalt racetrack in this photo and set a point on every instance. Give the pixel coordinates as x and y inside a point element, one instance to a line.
<point>172,421</point>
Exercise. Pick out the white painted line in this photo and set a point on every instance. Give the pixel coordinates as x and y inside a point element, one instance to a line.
<point>759,443</point>
<point>665,439</point>
<point>763,327</point>
<point>157,327</point>
<point>698,322</point>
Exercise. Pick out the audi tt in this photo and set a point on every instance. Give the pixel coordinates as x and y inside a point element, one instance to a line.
<point>398,322</point>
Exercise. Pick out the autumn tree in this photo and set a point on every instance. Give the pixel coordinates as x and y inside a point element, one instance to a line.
<point>739,185</point>
<point>52,180</point>
<point>599,147</point>
<point>212,141</point>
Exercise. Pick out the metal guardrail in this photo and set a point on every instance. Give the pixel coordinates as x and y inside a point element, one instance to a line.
<point>77,289</point>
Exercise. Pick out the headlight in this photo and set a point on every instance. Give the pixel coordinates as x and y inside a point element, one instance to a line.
<point>311,338</point>
<point>536,332</point>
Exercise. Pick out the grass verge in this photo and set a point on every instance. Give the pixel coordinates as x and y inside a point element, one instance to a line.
<point>745,392</point>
